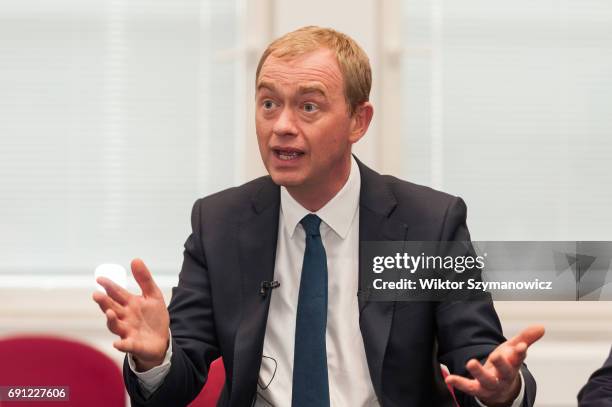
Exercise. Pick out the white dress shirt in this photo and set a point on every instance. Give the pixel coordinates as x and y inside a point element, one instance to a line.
<point>349,377</point>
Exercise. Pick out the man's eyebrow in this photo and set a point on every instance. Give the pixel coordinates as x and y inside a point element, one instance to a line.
<point>302,89</point>
<point>314,88</point>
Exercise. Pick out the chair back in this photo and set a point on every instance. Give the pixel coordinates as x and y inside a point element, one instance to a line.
<point>94,379</point>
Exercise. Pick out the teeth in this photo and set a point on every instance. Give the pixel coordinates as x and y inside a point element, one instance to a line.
<point>285,155</point>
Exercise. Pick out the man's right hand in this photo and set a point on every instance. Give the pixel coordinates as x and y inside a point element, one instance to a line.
<point>141,321</point>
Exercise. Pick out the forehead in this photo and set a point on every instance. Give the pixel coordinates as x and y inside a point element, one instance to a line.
<point>315,67</point>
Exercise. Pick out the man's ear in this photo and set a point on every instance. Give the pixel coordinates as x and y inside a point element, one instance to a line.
<point>360,121</point>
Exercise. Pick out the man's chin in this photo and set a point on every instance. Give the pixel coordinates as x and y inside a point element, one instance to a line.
<point>286,180</point>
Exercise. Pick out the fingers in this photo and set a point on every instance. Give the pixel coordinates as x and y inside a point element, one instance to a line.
<point>506,360</point>
<point>517,354</point>
<point>124,345</point>
<point>489,381</point>
<point>106,303</point>
<point>468,386</point>
<point>498,379</point>
<point>529,335</point>
<point>486,378</point>
<point>144,279</point>
<point>113,290</point>
<point>516,351</point>
<point>505,370</point>
<point>113,312</point>
<point>114,324</point>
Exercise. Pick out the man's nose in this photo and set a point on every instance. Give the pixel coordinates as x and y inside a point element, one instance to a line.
<point>285,124</point>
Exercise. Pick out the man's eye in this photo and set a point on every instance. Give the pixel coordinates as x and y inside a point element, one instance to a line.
<point>310,107</point>
<point>268,104</point>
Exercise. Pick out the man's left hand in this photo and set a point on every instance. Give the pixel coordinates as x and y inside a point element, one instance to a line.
<point>498,383</point>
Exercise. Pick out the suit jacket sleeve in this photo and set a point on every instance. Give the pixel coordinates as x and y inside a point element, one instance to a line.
<point>469,329</point>
<point>194,340</point>
<point>598,390</point>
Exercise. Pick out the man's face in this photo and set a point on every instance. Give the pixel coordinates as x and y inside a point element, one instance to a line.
<point>303,126</point>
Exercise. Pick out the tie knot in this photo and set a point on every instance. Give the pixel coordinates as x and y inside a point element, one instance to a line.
<point>311,224</point>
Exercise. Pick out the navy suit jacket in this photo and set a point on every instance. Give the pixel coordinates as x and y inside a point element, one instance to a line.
<point>217,310</point>
<point>598,390</point>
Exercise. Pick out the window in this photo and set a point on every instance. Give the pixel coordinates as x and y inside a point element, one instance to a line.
<point>507,105</point>
<point>115,116</point>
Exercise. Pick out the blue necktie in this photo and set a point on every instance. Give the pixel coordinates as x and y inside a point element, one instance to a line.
<point>310,383</point>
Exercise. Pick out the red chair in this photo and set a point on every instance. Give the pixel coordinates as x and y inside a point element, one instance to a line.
<point>212,389</point>
<point>450,388</point>
<point>93,378</point>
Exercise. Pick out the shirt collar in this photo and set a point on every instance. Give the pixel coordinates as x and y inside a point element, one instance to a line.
<point>338,213</point>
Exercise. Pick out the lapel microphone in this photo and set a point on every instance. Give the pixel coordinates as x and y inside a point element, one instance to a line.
<point>268,286</point>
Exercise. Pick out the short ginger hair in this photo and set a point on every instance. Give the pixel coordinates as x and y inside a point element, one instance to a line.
<point>353,61</point>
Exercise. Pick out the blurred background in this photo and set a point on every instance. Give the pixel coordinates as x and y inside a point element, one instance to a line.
<point>115,116</point>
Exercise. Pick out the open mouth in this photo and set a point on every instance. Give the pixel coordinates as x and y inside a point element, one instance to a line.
<point>288,154</point>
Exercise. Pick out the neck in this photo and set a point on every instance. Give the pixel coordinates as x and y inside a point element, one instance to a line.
<point>314,196</point>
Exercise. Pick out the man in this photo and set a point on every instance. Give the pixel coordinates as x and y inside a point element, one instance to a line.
<point>598,390</point>
<point>311,341</point>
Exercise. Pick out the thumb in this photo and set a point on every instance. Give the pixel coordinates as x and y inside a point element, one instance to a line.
<point>145,280</point>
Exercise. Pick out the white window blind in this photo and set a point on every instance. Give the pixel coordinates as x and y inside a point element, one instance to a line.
<point>114,117</point>
<point>507,104</point>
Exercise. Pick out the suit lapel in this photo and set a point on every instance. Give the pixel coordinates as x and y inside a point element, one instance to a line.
<point>376,204</point>
<point>257,238</point>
